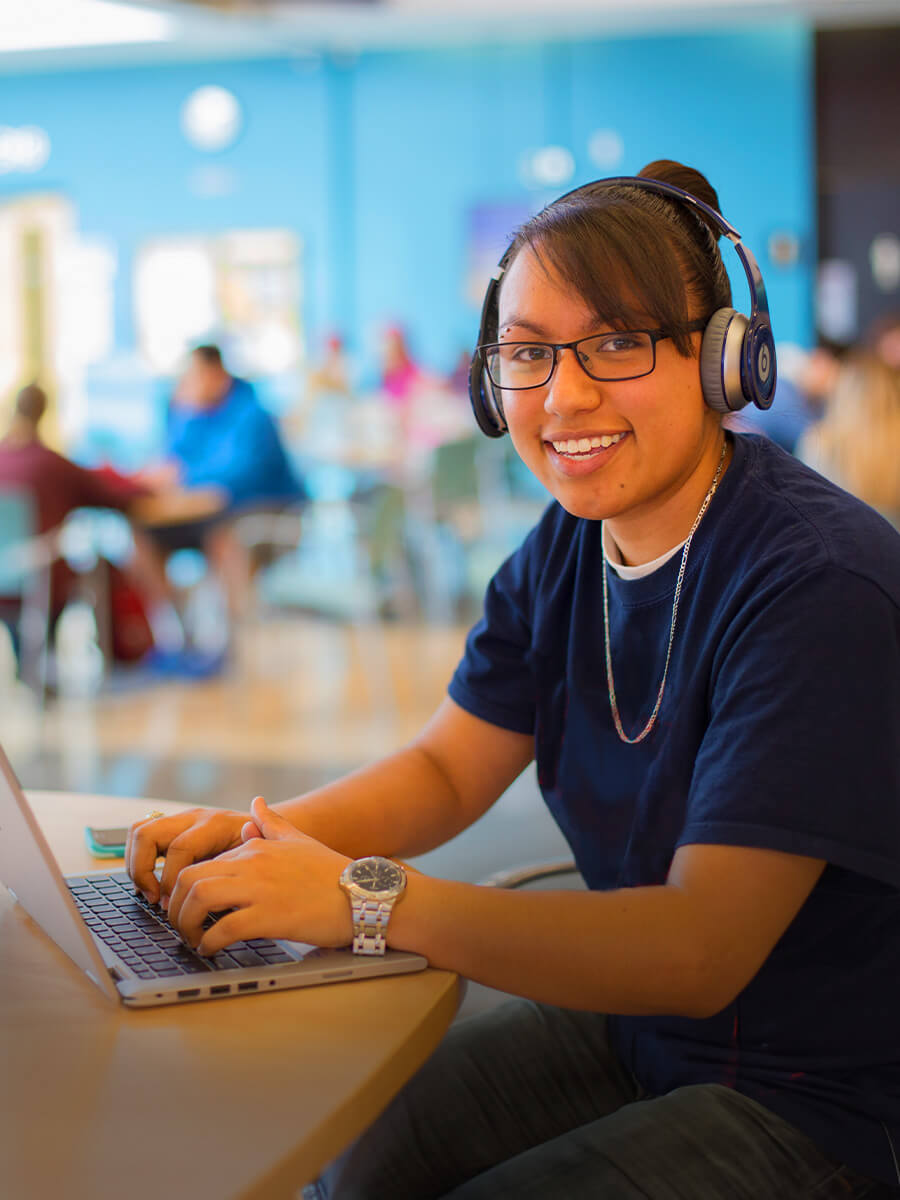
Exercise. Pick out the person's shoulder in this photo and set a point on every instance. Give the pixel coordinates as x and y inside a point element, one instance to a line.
<point>799,520</point>
<point>38,457</point>
<point>243,393</point>
<point>243,406</point>
<point>11,448</point>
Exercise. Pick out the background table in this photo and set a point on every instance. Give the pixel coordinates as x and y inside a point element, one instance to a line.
<point>178,506</point>
<point>245,1097</point>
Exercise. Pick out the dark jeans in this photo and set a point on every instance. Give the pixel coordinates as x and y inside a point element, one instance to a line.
<point>529,1101</point>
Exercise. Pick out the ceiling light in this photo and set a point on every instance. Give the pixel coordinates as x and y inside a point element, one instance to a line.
<point>54,24</point>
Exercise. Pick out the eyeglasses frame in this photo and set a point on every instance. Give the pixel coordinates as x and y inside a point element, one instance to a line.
<point>655,335</point>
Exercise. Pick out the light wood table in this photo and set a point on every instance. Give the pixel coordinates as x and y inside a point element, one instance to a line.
<point>178,506</point>
<point>245,1097</point>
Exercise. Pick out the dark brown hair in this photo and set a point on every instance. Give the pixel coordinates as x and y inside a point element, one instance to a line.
<point>31,403</point>
<point>634,256</point>
<point>209,354</point>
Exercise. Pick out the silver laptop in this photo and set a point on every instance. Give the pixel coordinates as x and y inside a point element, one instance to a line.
<point>126,946</point>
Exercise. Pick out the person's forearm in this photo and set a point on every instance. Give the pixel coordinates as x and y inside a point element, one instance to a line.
<point>629,951</point>
<point>400,806</point>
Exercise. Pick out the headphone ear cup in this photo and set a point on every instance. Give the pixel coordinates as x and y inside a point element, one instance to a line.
<point>485,403</point>
<point>721,355</point>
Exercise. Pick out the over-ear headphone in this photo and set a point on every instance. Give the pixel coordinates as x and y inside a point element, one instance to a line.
<point>737,355</point>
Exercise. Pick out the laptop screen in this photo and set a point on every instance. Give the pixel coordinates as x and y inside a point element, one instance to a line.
<point>29,870</point>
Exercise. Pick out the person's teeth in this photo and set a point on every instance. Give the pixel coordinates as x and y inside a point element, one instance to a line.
<point>586,445</point>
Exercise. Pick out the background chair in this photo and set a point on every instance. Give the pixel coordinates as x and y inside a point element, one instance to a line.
<point>561,873</point>
<point>26,560</point>
<point>467,514</point>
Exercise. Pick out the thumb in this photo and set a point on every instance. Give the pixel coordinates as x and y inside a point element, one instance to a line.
<point>271,825</point>
<point>249,831</point>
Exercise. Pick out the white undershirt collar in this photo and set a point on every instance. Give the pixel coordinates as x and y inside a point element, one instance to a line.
<point>614,559</point>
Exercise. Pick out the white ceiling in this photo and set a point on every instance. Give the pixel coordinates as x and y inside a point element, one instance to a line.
<point>42,34</point>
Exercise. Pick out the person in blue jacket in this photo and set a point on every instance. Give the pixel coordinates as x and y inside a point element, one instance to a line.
<point>699,646</point>
<point>219,435</point>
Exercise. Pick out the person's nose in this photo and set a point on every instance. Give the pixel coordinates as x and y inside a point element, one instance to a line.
<point>571,389</point>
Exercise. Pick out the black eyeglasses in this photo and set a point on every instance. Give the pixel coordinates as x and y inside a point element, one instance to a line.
<point>616,355</point>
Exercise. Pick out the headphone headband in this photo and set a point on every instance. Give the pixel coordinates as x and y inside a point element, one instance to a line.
<point>737,358</point>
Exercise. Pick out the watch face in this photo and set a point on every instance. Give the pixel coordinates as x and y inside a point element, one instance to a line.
<point>377,875</point>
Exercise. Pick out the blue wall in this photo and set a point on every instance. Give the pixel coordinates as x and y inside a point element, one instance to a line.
<point>377,161</point>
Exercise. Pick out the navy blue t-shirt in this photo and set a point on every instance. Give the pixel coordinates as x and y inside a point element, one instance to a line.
<point>779,729</point>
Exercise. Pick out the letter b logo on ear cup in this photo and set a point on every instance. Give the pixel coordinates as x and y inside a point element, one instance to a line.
<point>759,365</point>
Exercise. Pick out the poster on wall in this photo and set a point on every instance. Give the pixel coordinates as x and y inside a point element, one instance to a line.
<point>490,228</point>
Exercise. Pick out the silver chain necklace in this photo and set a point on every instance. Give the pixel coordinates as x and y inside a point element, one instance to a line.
<point>610,683</point>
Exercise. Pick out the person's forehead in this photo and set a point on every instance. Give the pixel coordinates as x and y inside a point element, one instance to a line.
<point>532,290</point>
<point>534,297</point>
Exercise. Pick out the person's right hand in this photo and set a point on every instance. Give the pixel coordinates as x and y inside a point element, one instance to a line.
<point>159,477</point>
<point>185,838</point>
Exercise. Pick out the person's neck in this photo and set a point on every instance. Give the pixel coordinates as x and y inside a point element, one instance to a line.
<point>648,532</point>
<point>21,433</point>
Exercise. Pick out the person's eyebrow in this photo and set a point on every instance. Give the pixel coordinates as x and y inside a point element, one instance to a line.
<point>520,322</point>
<point>592,325</point>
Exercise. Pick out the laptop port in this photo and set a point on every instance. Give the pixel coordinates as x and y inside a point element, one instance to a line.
<point>185,992</point>
<point>220,989</point>
<point>248,987</point>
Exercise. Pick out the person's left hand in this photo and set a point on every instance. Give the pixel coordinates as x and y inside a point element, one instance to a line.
<point>281,884</point>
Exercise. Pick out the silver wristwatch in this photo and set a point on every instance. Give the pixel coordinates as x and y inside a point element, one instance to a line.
<point>374,886</point>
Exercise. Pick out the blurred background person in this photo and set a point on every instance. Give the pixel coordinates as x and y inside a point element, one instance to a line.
<point>400,373</point>
<point>219,438</point>
<point>57,486</point>
<point>856,443</point>
<point>422,402</point>
<point>884,339</point>
<point>332,374</point>
<point>400,379</point>
<point>805,379</point>
<point>320,423</point>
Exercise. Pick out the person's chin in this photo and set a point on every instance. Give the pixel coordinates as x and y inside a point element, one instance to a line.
<point>580,485</point>
<point>586,508</point>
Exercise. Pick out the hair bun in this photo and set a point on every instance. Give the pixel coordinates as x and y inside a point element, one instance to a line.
<point>689,180</point>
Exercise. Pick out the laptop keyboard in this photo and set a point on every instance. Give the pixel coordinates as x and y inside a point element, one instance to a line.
<point>138,933</point>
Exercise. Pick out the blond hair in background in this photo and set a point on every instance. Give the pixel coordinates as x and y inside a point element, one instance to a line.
<point>856,444</point>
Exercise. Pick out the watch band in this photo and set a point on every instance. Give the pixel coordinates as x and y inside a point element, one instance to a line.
<point>370,918</point>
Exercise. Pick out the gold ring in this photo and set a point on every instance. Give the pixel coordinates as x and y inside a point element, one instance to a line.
<point>153,815</point>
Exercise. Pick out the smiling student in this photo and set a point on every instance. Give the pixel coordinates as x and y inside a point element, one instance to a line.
<point>699,644</point>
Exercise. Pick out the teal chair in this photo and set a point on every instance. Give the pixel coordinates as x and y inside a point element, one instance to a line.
<point>25,562</point>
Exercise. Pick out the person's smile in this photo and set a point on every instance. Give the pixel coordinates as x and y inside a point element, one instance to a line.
<point>580,452</point>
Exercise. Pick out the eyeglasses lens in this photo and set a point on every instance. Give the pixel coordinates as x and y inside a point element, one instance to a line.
<point>615,355</point>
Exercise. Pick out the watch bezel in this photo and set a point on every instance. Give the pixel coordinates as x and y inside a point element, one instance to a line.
<point>359,889</point>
